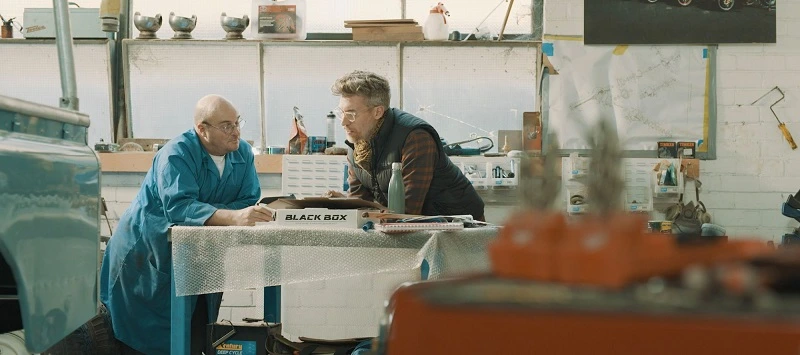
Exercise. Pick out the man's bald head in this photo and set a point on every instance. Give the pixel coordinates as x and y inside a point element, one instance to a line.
<point>210,106</point>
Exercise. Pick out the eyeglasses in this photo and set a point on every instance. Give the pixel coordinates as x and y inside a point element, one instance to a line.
<point>349,115</point>
<point>228,128</point>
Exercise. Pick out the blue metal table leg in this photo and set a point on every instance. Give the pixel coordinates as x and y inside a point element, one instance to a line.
<point>424,269</point>
<point>181,317</point>
<point>272,304</point>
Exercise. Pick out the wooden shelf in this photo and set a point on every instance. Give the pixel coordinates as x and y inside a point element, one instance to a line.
<point>334,42</point>
<point>140,162</point>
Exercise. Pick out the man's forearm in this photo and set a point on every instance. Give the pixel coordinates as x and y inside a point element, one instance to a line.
<point>222,218</point>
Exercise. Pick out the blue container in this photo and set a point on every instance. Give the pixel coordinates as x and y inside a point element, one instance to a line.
<point>317,144</point>
<point>345,184</point>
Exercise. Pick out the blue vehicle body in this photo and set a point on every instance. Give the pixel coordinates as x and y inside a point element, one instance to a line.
<point>49,221</point>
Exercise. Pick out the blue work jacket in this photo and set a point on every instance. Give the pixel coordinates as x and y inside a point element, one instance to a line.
<point>183,187</point>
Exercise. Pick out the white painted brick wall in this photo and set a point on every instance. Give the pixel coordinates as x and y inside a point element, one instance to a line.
<point>340,308</point>
<point>756,169</point>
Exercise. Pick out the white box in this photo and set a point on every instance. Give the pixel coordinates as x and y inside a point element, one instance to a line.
<point>323,217</point>
<point>40,23</point>
<point>321,211</point>
<point>312,175</point>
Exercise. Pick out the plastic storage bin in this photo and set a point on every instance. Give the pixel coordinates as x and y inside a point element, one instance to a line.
<point>274,19</point>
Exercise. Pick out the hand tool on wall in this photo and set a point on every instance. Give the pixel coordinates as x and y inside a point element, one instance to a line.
<point>8,27</point>
<point>505,21</point>
<point>781,125</point>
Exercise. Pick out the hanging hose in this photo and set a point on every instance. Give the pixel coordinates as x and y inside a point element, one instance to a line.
<point>456,149</point>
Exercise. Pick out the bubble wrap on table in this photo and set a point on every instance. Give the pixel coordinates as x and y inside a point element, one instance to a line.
<point>216,259</point>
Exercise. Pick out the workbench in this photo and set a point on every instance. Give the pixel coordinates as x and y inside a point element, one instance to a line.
<point>218,259</point>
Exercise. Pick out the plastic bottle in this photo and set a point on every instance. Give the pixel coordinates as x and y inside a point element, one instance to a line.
<point>345,183</point>
<point>331,129</point>
<point>436,27</point>
<point>397,191</point>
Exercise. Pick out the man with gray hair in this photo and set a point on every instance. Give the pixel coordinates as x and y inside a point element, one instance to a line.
<point>379,136</point>
<point>205,176</point>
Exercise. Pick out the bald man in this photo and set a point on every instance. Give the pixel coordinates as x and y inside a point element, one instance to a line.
<point>205,176</point>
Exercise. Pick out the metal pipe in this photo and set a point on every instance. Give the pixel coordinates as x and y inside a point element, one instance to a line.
<point>43,111</point>
<point>119,118</point>
<point>125,22</point>
<point>401,100</point>
<point>262,105</point>
<point>537,19</point>
<point>711,95</point>
<point>66,61</point>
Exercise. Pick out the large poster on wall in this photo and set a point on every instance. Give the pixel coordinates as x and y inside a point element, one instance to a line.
<point>648,93</point>
<point>679,21</point>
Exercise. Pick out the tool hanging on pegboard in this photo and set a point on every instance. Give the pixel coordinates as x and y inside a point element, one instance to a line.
<point>781,125</point>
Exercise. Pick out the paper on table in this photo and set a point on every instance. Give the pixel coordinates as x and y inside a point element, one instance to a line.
<point>421,226</point>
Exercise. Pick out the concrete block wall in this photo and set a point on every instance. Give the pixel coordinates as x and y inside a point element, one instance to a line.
<point>756,169</point>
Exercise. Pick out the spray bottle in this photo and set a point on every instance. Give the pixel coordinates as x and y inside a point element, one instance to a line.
<point>436,28</point>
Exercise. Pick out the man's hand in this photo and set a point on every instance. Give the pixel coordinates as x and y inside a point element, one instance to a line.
<point>250,215</point>
<point>333,193</point>
<point>244,217</point>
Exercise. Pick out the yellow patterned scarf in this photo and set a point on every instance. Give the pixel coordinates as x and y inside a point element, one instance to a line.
<point>362,154</point>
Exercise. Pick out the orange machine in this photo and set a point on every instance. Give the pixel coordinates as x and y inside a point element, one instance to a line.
<point>602,285</point>
<point>604,251</point>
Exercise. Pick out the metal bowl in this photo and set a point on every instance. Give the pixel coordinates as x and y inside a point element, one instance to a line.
<point>234,26</point>
<point>182,26</point>
<point>147,25</point>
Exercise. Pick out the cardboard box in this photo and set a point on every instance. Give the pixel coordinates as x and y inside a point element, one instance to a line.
<point>687,149</point>
<point>667,150</point>
<point>322,211</point>
<point>247,338</point>
<point>691,168</point>
<point>41,23</point>
<point>532,131</point>
<point>323,217</point>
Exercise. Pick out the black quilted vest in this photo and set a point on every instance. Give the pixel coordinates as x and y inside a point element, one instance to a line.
<point>450,192</point>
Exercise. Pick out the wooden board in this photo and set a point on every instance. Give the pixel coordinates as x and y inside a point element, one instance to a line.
<point>126,161</point>
<point>142,161</point>
<point>390,37</point>
<point>406,33</point>
<point>147,143</point>
<point>386,30</point>
<point>400,20</point>
<point>380,25</point>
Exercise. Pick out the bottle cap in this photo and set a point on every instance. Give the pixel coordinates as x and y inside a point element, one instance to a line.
<point>397,166</point>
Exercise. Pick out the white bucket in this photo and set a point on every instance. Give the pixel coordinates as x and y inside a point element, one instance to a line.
<point>13,343</point>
